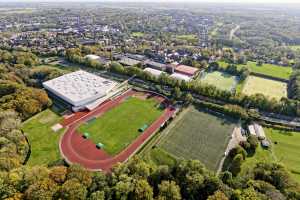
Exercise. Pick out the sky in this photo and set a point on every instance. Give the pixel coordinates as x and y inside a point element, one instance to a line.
<point>185,1</point>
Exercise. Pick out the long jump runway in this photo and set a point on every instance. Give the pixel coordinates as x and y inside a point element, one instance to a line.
<point>75,149</point>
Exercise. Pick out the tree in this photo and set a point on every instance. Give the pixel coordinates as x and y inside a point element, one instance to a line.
<point>99,183</point>
<point>177,93</point>
<point>236,164</point>
<point>35,174</point>
<point>168,190</point>
<point>72,190</point>
<point>218,195</point>
<point>259,63</point>
<point>250,194</point>
<point>142,190</point>
<point>188,98</point>
<point>43,190</point>
<point>226,177</point>
<point>237,150</point>
<point>122,189</point>
<point>58,174</point>
<point>6,190</point>
<point>139,168</point>
<point>77,172</point>
<point>253,141</point>
<point>98,195</point>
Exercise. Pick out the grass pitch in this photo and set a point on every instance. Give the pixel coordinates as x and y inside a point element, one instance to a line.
<point>270,88</point>
<point>287,149</point>
<point>43,140</point>
<point>191,38</point>
<point>266,69</point>
<point>118,127</point>
<point>199,135</point>
<point>137,34</point>
<point>295,47</point>
<point>223,81</point>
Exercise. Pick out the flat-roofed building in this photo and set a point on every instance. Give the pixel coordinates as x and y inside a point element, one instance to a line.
<point>155,65</point>
<point>186,70</point>
<point>128,61</point>
<point>153,72</point>
<point>92,57</point>
<point>181,77</point>
<point>80,88</point>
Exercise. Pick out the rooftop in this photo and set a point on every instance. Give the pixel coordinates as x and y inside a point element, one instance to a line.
<point>80,87</point>
<point>180,77</point>
<point>186,70</point>
<point>92,57</point>
<point>128,61</point>
<point>154,72</point>
<point>155,64</point>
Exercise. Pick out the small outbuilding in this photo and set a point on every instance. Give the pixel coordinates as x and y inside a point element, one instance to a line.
<point>251,130</point>
<point>265,143</point>
<point>259,131</point>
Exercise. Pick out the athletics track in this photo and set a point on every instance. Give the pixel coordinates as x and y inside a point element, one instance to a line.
<point>75,149</point>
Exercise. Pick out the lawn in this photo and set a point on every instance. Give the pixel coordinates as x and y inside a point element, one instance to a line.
<point>223,81</point>
<point>158,156</point>
<point>189,38</point>
<point>43,141</point>
<point>137,34</point>
<point>295,47</point>
<point>261,155</point>
<point>266,69</point>
<point>287,149</point>
<point>270,88</point>
<point>118,127</point>
<point>199,135</point>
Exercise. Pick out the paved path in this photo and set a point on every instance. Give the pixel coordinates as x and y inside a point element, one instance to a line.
<point>232,32</point>
<point>75,149</point>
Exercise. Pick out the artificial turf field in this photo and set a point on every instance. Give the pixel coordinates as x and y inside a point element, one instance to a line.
<point>286,150</point>
<point>268,87</point>
<point>199,135</point>
<point>221,80</point>
<point>43,140</point>
<point>118,127</point>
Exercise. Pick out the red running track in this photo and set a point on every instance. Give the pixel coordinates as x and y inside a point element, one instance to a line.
<point>75,149</point>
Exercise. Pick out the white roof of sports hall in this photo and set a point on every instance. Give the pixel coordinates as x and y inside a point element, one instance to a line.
<point>80,87</point>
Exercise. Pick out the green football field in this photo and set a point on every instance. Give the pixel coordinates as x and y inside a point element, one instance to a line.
<point>199,135</point>
<point>43,140</point>
<point>118,127</point>
<point>266,69</point>
<point>285,146</point>
<point>223,81</point>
